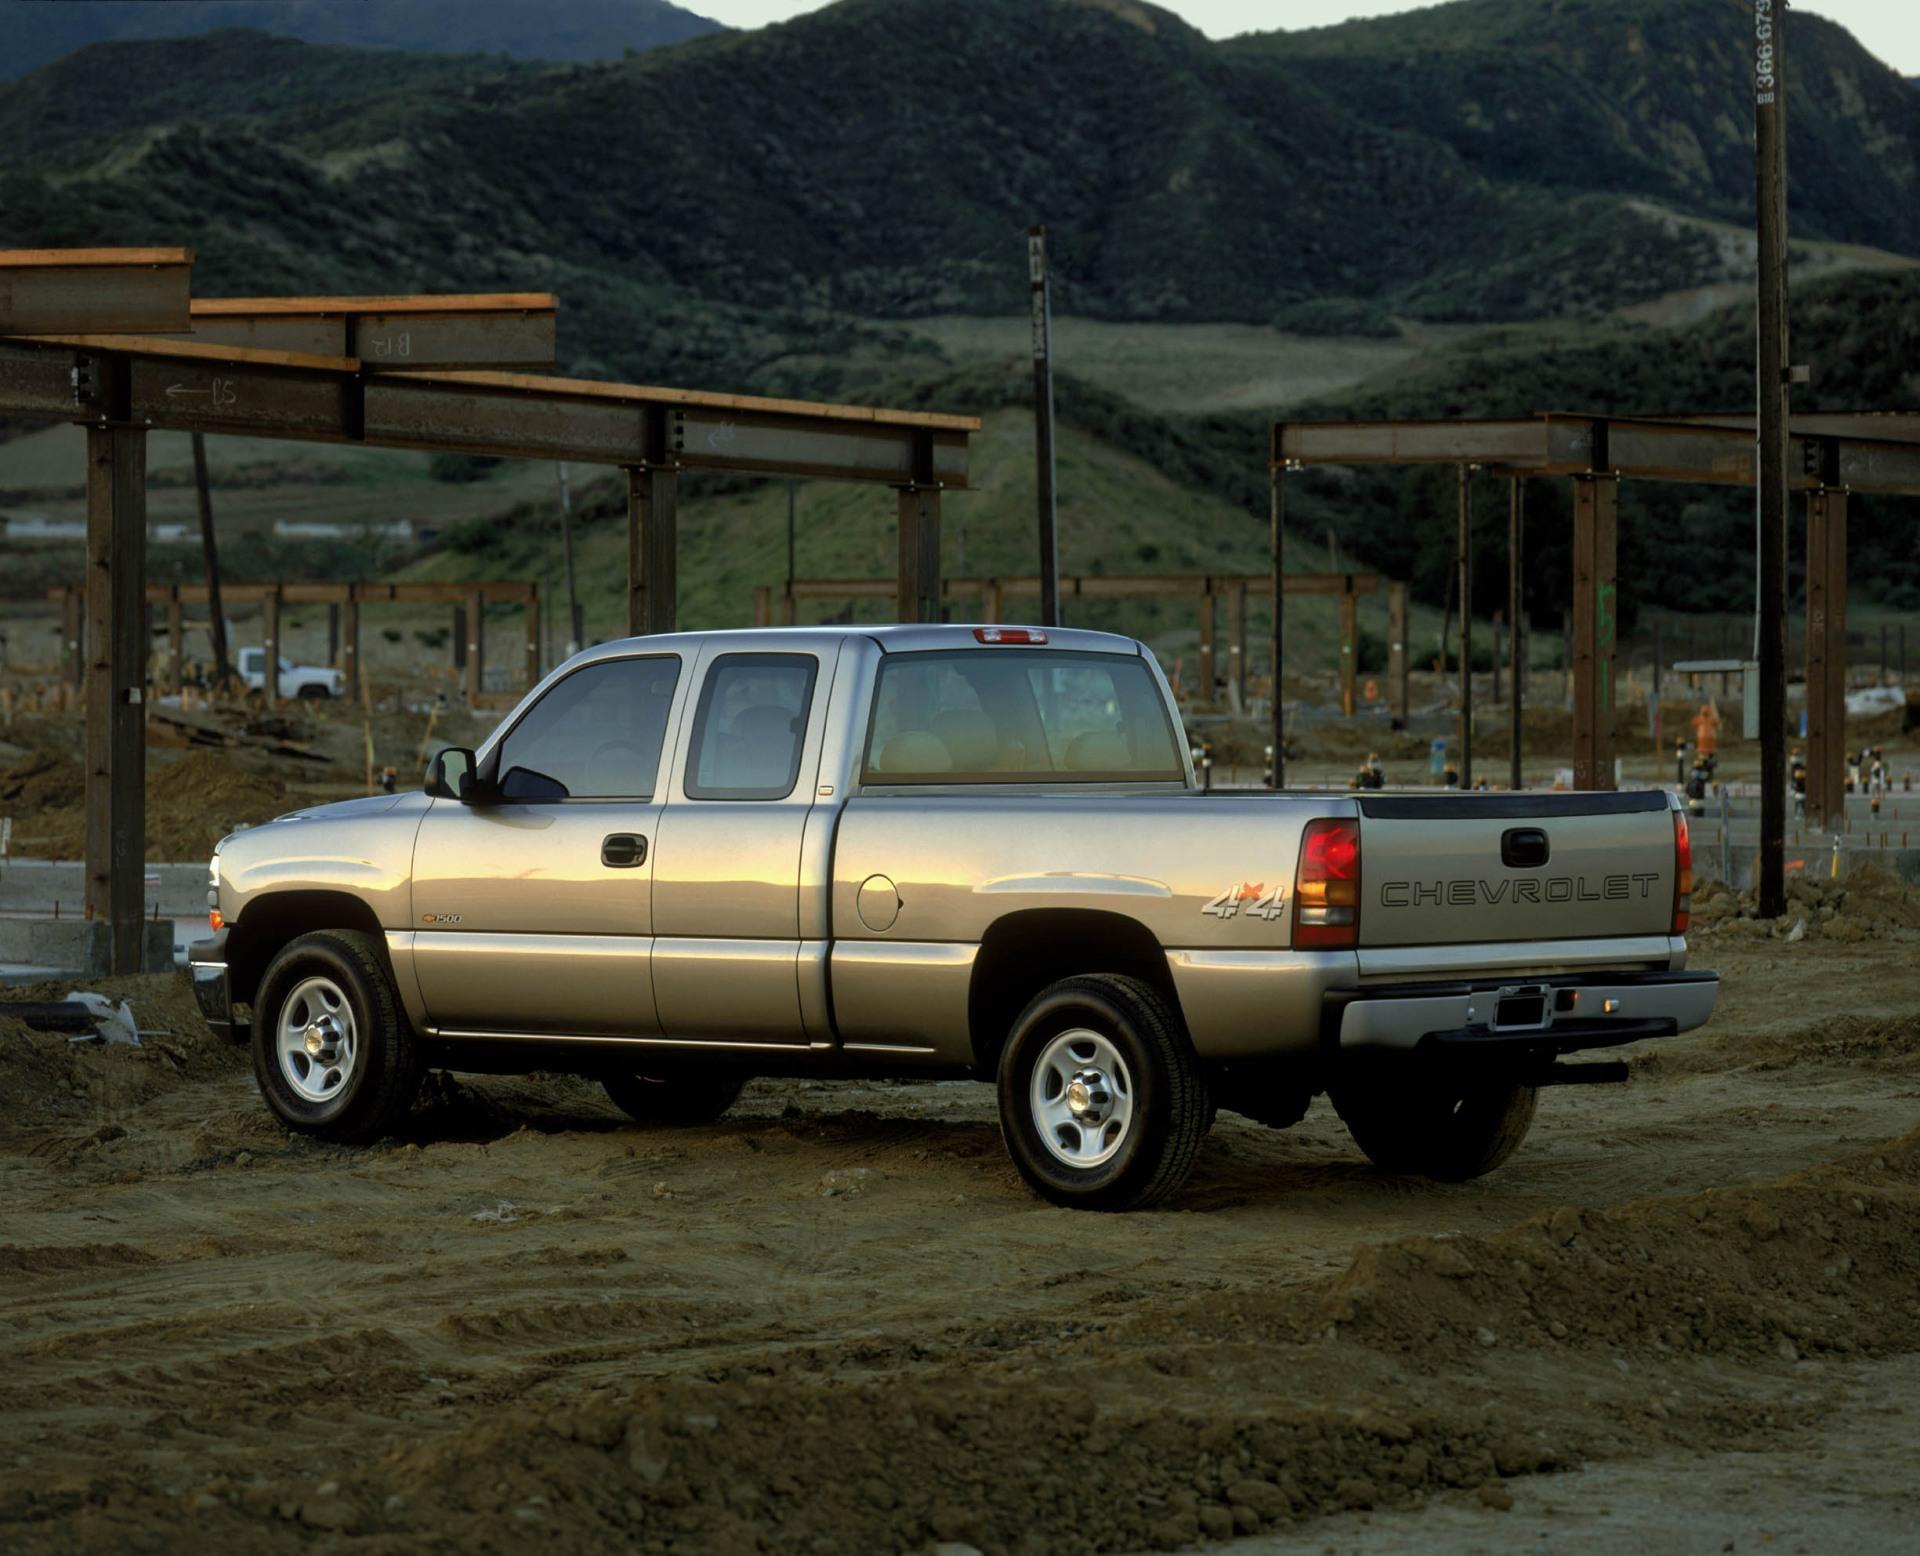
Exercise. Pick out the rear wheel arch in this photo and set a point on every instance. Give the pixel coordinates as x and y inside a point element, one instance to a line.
<point>1027,951</point>
<point>271,921</point>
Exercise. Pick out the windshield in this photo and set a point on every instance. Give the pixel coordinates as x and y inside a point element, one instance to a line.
<point>1019,716</point>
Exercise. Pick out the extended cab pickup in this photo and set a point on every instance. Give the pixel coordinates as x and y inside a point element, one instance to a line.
<point>946,851</point>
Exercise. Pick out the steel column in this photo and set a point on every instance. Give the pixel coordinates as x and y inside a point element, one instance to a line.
<point>533,636</point>
<point>270,645</point>
<point>176,643</point>
<point>73,630</point>
<point>1595,627</point>
<point>1349,649</point>
<point>1237,645</point>
<point>115,687</point>
<point>350,643</point>
<point>1209,666</point>
<point>653,519</point>
<point>919,591</point>
<point>1276,523</point>
<point>1463,559</point>
<point>1399,689</point>
<point>1773,428</point>
<point>476,650</point>
<point>1516,644</point>
<point>1049,525</point>
<point>1826,656</point>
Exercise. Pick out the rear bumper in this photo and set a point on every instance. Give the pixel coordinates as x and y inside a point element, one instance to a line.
<point>212,991</point>
<point>1532,1018</point>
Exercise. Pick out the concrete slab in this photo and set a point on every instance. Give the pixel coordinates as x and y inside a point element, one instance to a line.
<point>54,948</point>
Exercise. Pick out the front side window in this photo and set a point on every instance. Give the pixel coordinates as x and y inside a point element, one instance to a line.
<point>748,731</point>
<point>596,735</point>
<point>1019,716</point>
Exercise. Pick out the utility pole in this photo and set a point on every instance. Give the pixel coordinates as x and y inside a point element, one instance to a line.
<point>1771,383</point>
<point>222,666</point>
<point>575,628</point>
<point>1042,302</point>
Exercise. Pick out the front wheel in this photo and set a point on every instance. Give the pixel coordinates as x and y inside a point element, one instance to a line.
<point>677,1097</point>
<point>1101,1099</point>
<point>333,1052</point>
<point>1449,1131</point>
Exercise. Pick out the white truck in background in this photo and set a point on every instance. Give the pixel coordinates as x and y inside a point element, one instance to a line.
<point>295,680</point>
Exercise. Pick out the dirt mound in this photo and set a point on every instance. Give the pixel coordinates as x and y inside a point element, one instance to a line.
<point>39,781</point>
<point>1864,904</point>
<point>191,804</point>
<point>1568,1304</point>
<point>50,1082</point>
<point>1851,1041</point>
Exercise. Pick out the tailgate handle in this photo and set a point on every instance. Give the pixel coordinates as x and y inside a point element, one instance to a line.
<point>1524,848</point>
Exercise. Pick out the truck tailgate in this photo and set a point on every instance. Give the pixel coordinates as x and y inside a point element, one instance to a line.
<point>1467,868</point>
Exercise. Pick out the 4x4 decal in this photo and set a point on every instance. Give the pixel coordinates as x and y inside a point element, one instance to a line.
<point>1258,901</point>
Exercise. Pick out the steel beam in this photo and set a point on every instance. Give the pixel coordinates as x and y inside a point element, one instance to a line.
<point>498,330</point>
<point>1595,627</point>
<point>74,291</point>
<point>1826,657</point>
<point>116,657</point>
<point>187,386</point>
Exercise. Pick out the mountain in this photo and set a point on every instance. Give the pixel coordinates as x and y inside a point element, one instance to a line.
<point>880,158</point>
<point>40,31</point>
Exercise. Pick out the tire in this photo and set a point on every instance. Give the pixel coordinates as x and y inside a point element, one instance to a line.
<point>675,1097</point>
<point>1450,1133</point>
<point>313,691</point>
<point>327,998</point>
<point>1142,1088</point>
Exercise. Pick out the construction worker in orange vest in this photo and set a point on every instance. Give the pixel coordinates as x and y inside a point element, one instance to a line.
<point>1706,729</point>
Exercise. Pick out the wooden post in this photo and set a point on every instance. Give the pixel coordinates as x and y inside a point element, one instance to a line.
<point>1595,604</point>
<point>1399,688</point>
<point>1042,310</point>
<point>115,795</point>
<point>1768,40</point>
<point>762,605</point>
<point>1349,648</point>
<point>476,654</point>
<point>789,607</point>
<point>270,645</point>
<point>216,608</point>
<point>1826,657</point>
<point>1499,644</point>
<point>350,640</point>
<point>991,607</point>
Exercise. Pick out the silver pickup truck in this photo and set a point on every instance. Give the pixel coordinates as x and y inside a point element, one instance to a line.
<point>945,851</point>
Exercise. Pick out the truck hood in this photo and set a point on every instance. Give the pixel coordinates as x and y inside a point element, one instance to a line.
<point>346,810</point>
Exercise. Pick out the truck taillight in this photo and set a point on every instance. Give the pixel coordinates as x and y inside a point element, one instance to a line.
<point>1682,874</point>
<point>1326,887</point>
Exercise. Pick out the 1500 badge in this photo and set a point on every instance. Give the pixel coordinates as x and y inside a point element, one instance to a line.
<point>1254,897</point>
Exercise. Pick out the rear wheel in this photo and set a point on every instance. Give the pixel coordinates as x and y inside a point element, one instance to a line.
<point>1101,1099</point>
<point>1450,1132</point>
<point>675,1097</point>
<point>333,1051</point>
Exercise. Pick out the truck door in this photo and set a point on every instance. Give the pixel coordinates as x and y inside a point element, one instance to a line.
<point>535,915</point>
<point>726,907</point>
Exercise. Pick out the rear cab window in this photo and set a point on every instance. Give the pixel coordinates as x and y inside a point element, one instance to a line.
<point>750,726</point>
<point>1019,716</point>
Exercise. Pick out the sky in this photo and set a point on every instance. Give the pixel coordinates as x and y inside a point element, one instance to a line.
<point>1888,28</point>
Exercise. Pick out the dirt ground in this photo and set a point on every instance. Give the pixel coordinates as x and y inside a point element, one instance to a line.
<point>1685,1316</point>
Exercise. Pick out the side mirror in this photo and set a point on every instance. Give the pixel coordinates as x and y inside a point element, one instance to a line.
<point>452,776</point>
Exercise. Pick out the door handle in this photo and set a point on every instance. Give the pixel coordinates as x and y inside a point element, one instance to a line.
<point>623,850</point>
